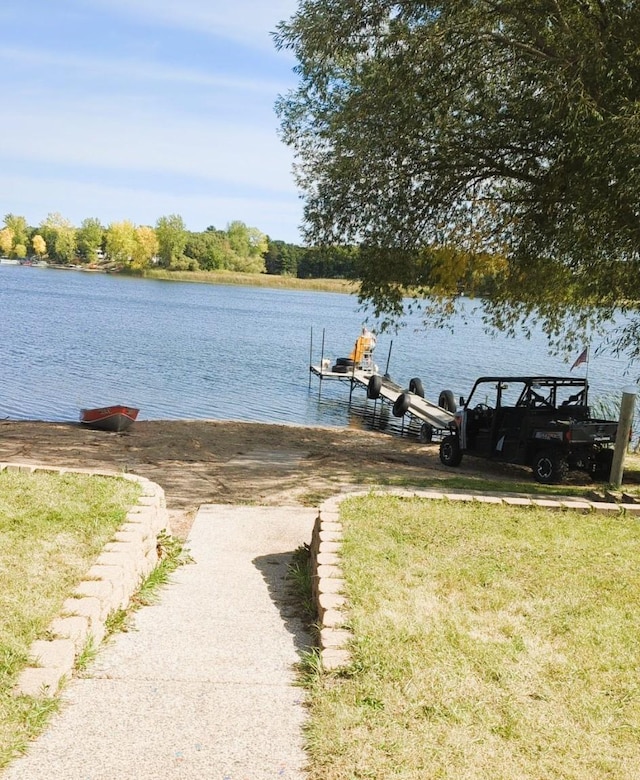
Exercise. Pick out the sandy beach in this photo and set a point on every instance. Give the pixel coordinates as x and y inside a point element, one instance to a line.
<point>199,462</point>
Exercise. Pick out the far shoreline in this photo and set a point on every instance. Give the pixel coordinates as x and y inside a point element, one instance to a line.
<point>272,281</point>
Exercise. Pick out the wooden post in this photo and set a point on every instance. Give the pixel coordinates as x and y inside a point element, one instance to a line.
<point>622,436</point>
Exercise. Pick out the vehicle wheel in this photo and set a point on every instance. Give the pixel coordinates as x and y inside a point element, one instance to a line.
<point>344,362</point>
<point>550,467</point>
<point>426,433</point>
<point>450,451</point>
<point>373,387</point>
<point>415,386</point>
<point>401,405</point>
<point>602,466</point>
<point>447,401</point>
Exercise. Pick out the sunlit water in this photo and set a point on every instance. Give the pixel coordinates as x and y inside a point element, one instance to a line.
<point>71,340</point>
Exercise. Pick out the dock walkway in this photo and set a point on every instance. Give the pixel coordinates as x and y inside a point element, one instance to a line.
<point>437,418</point>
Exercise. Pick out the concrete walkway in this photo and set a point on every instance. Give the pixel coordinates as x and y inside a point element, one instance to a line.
<point>202,687</point>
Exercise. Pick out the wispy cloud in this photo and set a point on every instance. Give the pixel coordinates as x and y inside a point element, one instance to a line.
<point>138,70</point>
<point>249,22</point>
<point>119,134</point>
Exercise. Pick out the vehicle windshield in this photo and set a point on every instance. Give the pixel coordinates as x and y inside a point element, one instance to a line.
<point>530,393</point>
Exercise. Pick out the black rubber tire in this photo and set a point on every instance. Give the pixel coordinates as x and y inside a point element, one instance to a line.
<point>416,387</point>
<point>550,467</point>
<point>344,362</point>
<point>426,433</point>
<point>602,467</point>
<point>450,451</point>
<point>337,369</point>
<point>374,386</point>
<point>447,401</point>
<point>401,405</point>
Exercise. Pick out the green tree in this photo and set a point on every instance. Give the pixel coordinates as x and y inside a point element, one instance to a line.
<point>211,250</point>
<point>90,239</point>
<point>482,129</point>
<point>281,258</point>
<point>333,262</point>
<point>172,239</point>
<point>60,237</point>
<point>248,245</point>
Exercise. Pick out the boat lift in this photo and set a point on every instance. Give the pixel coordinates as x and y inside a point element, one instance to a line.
<point>360,371</point>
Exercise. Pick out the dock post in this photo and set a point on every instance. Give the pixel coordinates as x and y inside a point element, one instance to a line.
<point>386,371</point>
<point>622,437</point>
<point>321,364</point>
<point>352,381</point>
<point>311,356</point>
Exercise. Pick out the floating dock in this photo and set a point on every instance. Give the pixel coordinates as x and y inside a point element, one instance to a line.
<point>411,402</point>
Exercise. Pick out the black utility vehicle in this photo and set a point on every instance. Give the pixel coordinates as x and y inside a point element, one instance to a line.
<point>543,422</point>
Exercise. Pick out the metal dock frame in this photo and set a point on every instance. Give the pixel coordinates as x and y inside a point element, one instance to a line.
<point>420,408</point>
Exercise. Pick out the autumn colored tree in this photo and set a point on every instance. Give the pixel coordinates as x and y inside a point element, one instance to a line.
<point>120,242</point>
<point>18,225</point>
<point>39,246</point>
<point>6,241</point>
<point>145,248</point>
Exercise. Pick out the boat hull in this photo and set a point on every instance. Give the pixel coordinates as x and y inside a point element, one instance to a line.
<point>109,418</point>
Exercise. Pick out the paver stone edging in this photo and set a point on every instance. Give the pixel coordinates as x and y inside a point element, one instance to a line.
<point>327,581</point>
<point>123,564</point>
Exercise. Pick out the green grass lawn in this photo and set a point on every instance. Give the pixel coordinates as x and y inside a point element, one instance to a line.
<point>489,643</point>
<point>52,527</point>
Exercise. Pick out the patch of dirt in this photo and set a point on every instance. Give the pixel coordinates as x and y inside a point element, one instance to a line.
<point>198,462</point>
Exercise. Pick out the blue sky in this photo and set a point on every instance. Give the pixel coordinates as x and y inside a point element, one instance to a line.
<point>137,109</point>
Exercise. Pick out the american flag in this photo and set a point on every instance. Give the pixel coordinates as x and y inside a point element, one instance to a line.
<point>583,357</point>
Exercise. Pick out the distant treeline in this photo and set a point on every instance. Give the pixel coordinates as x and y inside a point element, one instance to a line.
<point>169,245</point>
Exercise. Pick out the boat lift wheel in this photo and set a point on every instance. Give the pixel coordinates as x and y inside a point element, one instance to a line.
<point>401,405</point>
<point>374,386</point>
<point>426,433</point>
<point>447,401</point>
<point>416,387</point>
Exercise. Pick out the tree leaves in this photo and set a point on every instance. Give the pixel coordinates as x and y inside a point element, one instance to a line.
<point>474,128</point>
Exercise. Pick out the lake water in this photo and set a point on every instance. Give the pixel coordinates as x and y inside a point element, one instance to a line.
<point>72,340</point>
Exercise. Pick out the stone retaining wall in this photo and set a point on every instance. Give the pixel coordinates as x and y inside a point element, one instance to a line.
<point>327,582</point>
<point>115,576</point>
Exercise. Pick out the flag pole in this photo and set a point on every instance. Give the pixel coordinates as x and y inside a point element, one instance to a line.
<point>586,376</point>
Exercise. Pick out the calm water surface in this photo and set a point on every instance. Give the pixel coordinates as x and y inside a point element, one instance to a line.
<point>178,350</point>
